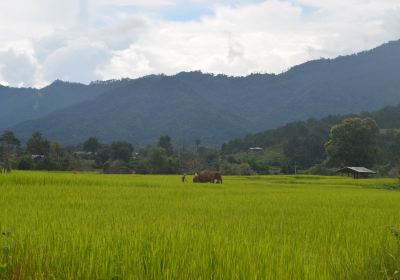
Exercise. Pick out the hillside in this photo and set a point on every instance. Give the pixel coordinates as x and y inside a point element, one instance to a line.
<point>211,108</point>
<point>23,104</point>
<point>139,113</point>
<point>303,141</point>
<point>387,118</point>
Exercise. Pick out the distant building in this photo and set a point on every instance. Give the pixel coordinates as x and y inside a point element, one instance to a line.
<point>37,157</point>
<point>256,150</point>
<point>82,153</point>
<point>357,172</point>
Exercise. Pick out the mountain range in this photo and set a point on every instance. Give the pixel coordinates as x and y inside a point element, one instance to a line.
<point>193,105</point>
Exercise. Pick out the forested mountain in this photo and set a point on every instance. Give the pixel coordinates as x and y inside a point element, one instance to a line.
<point>211,108</point>
<point>140,112</point>
<point>22,104</point>
<point>387,118</point>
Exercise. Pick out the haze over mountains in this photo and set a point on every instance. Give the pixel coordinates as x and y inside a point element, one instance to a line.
<point>211,108</point>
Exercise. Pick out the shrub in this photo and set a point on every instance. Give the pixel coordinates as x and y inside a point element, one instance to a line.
<point>243,169</point>
<point>25,163</point>
<point>320,170</point>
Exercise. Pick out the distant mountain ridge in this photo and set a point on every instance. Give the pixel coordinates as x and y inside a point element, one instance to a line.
<point>22,104</point>
<point>212,108</point>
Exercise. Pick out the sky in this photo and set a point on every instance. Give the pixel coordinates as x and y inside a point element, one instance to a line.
<point>88,40</point>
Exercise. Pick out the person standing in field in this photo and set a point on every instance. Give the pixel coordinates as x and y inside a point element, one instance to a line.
<point>184,178</point>
<point>196,177</point>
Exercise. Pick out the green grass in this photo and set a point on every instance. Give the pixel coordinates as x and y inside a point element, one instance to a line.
<point>90,226</point>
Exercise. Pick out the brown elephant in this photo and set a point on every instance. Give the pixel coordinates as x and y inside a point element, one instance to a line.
<point>207,176</point>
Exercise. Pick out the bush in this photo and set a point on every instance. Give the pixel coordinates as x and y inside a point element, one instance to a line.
<point>320,170</point>
<point>243,169</point>
<point>25,163</point>
<point>117,167</point>
<point>260,167</point>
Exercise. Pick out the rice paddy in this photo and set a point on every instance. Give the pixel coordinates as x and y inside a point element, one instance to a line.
<point>92,226</point>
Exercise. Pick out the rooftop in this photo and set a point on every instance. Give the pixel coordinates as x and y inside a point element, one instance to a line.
<point>362,170</point>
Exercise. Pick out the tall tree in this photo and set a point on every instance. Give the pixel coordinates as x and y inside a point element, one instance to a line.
<point>38,145</point>
<point>353,142</point>
<point>160,163</point>
<point>103,155</point>
<point>305,151</point>
<point>121,151</point>
<point>158,160</point>
<point>165,143</point>
<point>197,143</point>
<point>9,144</point>
<point>92,145</point>
<point>56,156</point>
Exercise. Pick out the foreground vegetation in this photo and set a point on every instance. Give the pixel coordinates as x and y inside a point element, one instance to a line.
<point>90,226</point>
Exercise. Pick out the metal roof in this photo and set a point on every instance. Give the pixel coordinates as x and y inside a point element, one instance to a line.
<point>357,170</point>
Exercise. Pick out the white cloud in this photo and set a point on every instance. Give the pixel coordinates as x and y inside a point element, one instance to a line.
<point>127,63</point>
<point>82,40</point>
<point>78,61</point>
<point>17,68</point>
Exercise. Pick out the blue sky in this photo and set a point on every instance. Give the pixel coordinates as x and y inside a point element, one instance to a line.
<point>185,10</point>
<point>192,10</point>
<point>175,10</point>
<point>86,40</point>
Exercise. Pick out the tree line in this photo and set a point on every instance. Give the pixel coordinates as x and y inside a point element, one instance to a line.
<point>320,145</point>
<point>117,157</point>
<point>313,145</point>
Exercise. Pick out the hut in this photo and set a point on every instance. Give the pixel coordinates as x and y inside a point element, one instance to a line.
<point>357,172</point>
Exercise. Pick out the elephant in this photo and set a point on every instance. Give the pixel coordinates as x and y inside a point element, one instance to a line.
<point>207,176</point>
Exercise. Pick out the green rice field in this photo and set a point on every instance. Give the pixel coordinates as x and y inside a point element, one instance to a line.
<point>92,226</point>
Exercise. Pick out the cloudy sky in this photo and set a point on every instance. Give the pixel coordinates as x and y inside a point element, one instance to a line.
<point>86,40</point>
